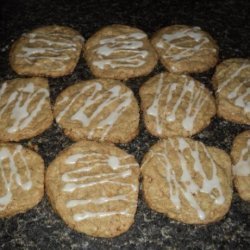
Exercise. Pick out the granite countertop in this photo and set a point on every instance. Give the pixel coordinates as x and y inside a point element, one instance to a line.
<point>41,227</point>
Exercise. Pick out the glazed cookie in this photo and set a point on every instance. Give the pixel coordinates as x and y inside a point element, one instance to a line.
<point>24,108</point>
<point>94,188</point>
<point>184,49</point>
<point>22,179</point>
<point>120,52</point>
<point>51,51</point>
<point>100,109</point>
<point>232,83</point>
<point>187,181</point>
<point>175,104</point>
<point>241,169</point>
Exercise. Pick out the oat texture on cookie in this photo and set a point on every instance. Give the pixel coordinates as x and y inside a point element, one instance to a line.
<point>94,188</point>
<point>185,49</point>
<point>232,83</point>
<point>25,109</point>
<point>51,51</point>
<point>176,104</point>
<point>100,109</point>
<point>120,52</point>
<point>241,164</point>
<point>22,179</point>
<point>187,180</point>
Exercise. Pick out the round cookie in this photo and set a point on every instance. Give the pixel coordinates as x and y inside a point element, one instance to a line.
<point>175,104</point>
<point>22,179</point>
<point>232,83</point>
<point>25,109</point>
<point>185,49</point>
<point>94,188</point>
<point>51,51</point>
<point>100,109</point>
<point>120,52</point>
<point>187,181</point>
<point>241,164</point>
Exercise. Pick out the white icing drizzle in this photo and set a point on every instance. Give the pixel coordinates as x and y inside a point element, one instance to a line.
<point>52,47</point>
<point>242,167</point>
<point>14,175</point>
<point>171,178</point>
<point>2,89</point>
<point>101,200</point>
<point>88,215</point>
<point>106,178</point>
<point>81,178</point>
<point>153,109</point>
<point>232,76</point>
<point>64,99</point>
<point>130,43</point>
<point>196,101</point>
<point>173,41</point>
<point>186,184</point>
<point>240,100</point>
<point>107,98</point>
<point>21,100</point>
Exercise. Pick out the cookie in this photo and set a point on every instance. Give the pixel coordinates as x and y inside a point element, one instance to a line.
<point>94,188</point>
<point>22,179</point>
<point>187,181</point>
<point>185,49</point>
<point>232,83</point>
<point>175,104</point>
<point>24,108</point>
<point>241,164</point>
<point>120,52</point>
<point>51,51</point>
<point>100,109</point>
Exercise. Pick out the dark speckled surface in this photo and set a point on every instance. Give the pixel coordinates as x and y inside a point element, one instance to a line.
<point>227,21</point>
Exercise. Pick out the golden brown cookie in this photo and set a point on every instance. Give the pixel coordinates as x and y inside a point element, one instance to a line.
<point>232,83</point>
<point>175,104</point>
<point>185,49</point>
<point>120,52</point>
<point>25,109</point>
<point>100,109</point>
<point>241,164</point>
<point>51,51</point>
<point>94,187</point>
<point>187,181</point>
<point>22,179</point>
